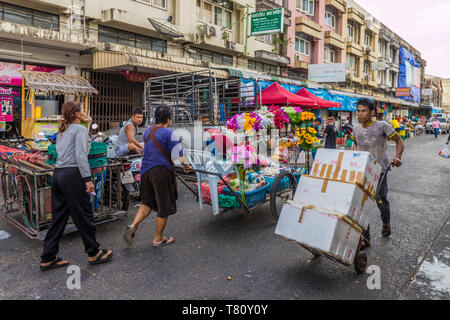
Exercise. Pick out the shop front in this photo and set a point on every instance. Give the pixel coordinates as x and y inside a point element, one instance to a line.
<point>11,98</point>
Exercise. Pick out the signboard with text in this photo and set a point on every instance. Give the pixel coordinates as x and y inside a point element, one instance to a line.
<point>265,22</point>
<point>6,111</point>
<point>403,92</point>
<point>327,72</point>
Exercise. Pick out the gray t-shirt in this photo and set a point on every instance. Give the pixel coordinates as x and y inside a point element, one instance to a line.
<point>373,139</point>
<point>72,147</point>
<point>122,138</point>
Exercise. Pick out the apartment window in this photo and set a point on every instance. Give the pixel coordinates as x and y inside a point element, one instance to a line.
<point>350,31</point>
<point>28,17</point>
<point>351,61</point>
<point>209,56</point>
<point>262,67</point>
<point>159,3</point>
<point>217,12</point>
<point>330,55</point>
<point>111,35</point>
<point>269,38</point>
<point>330,19</point>
<point>367,38</point>
<point>302,43</point>
<point>392,54</point>
<point>366,68</point>
<point>306,6</point>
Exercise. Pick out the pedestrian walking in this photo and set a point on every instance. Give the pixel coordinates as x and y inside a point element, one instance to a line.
<point>436,127</point>
<point>71,185</point>
<point>158,185</point>
<point>372,136</point>
<point>330,134</point>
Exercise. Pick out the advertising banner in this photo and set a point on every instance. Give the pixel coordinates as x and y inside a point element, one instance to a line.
<point>10,74</point>
<point>6,112</point>
<point>403,92</point>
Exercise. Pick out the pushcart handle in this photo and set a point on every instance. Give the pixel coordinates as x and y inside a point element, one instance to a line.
<point>382,177</point>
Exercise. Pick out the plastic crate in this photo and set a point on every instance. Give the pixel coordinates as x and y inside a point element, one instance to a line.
<point>252,198</point>
<point>97,156</point>
<point>284,184</point>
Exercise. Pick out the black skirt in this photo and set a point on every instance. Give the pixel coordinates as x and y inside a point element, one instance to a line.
<point>159,192</point>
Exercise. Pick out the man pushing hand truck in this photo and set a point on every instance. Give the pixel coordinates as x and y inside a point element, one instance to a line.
<point>372,136</point>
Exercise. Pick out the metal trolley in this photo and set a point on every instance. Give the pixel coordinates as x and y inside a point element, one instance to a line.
<point>26,198</point>
<point>206,167</point>
<point>360,260</point>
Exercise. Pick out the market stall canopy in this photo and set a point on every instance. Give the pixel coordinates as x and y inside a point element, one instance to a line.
<point>276,94</point>
<point>322,103</point>
<point>50,83</point>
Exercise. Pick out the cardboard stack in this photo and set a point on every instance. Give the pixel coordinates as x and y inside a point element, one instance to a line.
<point>328,210</point>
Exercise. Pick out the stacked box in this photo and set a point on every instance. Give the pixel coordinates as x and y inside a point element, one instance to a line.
<point>319,229</point>
<point>347,166</point>
<point>328,212</point>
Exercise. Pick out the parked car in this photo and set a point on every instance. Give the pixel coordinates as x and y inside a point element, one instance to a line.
<point>445,126</point>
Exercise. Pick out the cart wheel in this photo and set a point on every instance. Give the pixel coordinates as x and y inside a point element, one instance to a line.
<point>278,198</point>
<point>360,263</point>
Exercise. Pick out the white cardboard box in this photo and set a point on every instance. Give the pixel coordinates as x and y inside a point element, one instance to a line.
<point>335,196</point>
<point>350,166</point>
<point>320,230</point>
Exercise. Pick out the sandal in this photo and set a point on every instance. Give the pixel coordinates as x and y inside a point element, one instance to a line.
<point>165,242</point>
<point>386,230</point>
<point>364,244</point>
<point>129,235</point>
<point>100,258</point>
<point>54,265</point>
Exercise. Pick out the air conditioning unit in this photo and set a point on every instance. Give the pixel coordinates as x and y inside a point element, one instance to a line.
<point>210,30</point>
<point>298,58</point>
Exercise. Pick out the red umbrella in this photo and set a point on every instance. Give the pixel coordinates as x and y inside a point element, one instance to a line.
<point>322,103</point>
<point>276,94</point>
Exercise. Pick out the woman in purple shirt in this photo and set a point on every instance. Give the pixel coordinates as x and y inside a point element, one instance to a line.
<point>158,182</point>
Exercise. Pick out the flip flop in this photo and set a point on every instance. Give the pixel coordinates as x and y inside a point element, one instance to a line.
<point>54,265</point>
<point>163,243</point>
<point>99,259</point>
<point>129,235</point>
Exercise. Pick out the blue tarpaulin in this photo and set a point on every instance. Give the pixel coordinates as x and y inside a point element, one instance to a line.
<point>408,73</point>
<point>347,103</point>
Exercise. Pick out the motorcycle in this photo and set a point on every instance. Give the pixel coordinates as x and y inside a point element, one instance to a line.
<point>131,177</point>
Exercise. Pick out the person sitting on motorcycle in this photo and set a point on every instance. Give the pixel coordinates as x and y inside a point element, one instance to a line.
<point>126,140</point>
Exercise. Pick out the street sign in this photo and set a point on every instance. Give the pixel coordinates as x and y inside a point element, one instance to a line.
<point>265,22</point>
<point>403,92</point>
<point>375,66</point>
<point>327,72</point>
<point>427,91</point>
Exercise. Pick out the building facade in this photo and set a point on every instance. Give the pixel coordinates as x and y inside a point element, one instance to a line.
<point>118,44</point>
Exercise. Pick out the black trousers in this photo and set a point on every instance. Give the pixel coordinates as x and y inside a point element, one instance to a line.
<point>69,198</point>
<point>385,208</point>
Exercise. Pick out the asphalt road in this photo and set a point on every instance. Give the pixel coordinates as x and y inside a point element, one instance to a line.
<point>261,265</point>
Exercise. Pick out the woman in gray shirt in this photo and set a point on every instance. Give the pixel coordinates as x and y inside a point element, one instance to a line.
<point>71,185</point>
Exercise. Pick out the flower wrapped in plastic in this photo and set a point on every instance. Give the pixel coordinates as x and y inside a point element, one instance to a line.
<point>280,118</point>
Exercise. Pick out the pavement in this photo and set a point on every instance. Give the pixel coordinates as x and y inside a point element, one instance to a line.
<point>413,263</point>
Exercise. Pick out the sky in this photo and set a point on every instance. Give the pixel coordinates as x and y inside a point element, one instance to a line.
<point>423,24</point>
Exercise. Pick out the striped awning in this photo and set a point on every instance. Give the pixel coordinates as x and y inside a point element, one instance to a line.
<point>106,60</point>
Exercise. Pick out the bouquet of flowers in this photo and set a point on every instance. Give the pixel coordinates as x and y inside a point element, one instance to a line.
<point>294,114</point>
<point>245,121</point>
<point>306,134</point>
<point>280,118</point>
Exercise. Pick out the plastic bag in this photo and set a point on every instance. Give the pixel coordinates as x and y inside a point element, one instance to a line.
<point>4,235</point>
<point>444,153</point>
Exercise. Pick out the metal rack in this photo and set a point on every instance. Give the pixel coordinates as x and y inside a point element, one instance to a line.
<point>26,195</point>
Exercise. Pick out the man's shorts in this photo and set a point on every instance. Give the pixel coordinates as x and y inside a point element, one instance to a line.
<point>122,151</point>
